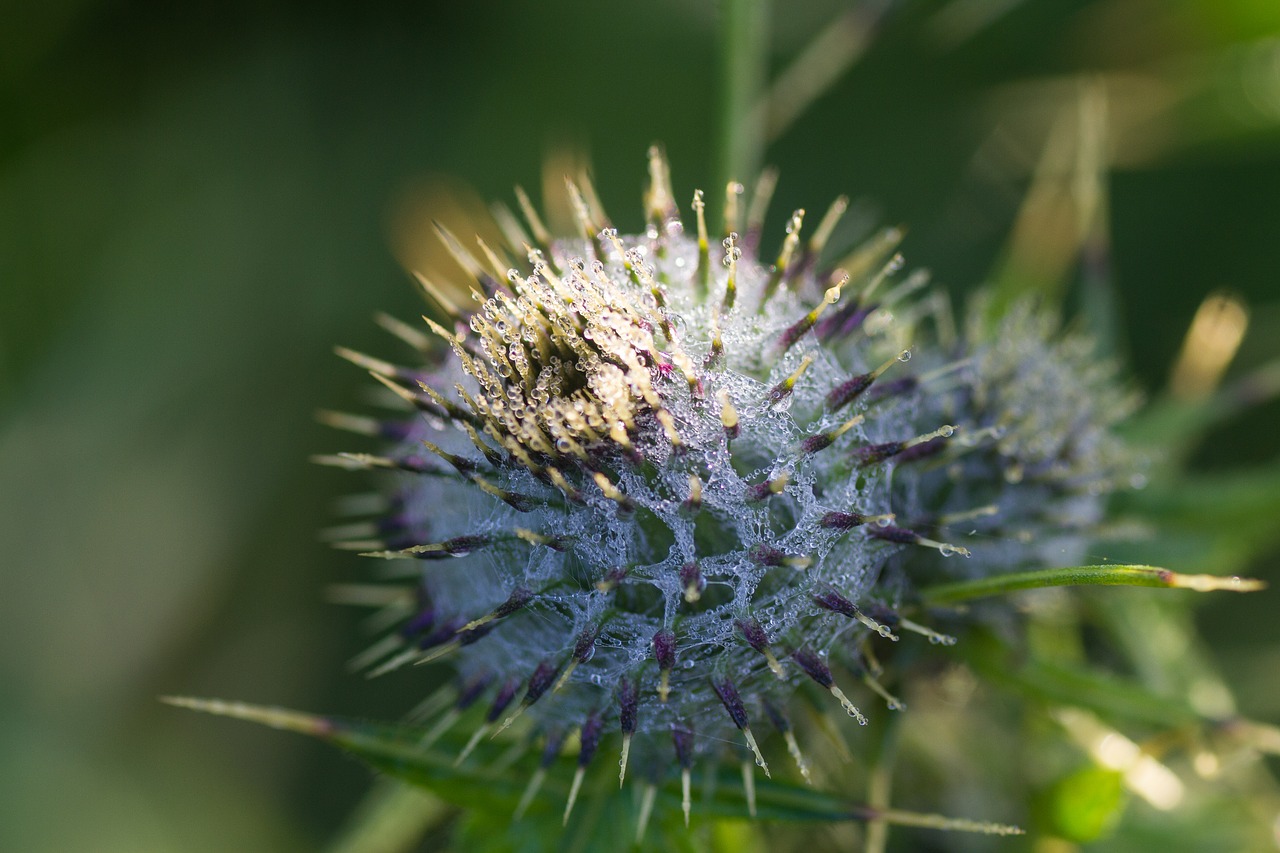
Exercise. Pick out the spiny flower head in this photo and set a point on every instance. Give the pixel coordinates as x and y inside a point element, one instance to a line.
<point>658,483</point>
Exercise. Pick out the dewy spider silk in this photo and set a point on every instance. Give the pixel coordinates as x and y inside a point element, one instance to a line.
<point>653,493</point>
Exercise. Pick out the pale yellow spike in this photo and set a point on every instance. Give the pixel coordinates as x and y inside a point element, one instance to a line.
<point>610,491</point>
<point>646,809</point>
<point>564,677</point>
<point>792,240</point>
<point>487,487</point>
<point>436,295</point>
<point>731,255</point>
<point>686,800</point>
<point>668,424</point>
<point>358,424</point>
<point>846,426</point>
<point>581,209</point>
<point>512,231</point>
<point>790,382</point>
<point>435,702</point>
<point>893,265</point>
<point>944,431</point>
<point>540,232</point>
<point>439,652</point>
<point>755,749</point>
<point>832,294</point>
<point>353,461</point>
<point>403,331</point>
<point>728,414</point>
<point>530,791</point>
<point>946,549</point>
<point>660,199</point>
<point>531,536</point>
<point>765,185</point>
<point>592,198</point>
<point>916,281</point>
<point>376,651</point>
<point>394,663</point>
<point>517,450</point>
<point>455,248</point>
<point>396,388</point>
<point>618,432</point>
<point>749,787</point>
<point>622,764</point>
<point>849,708</point>
<point>695,490</point>
<point>664,686</point>
<point>276,718</point>
<point>704,245</point>
<point>451,338</point>
<point>496,264</point>
<point>880,628</point>
<point>732,199</point>
<point>828,224</point>
<point>934,637</point>
<point>793,747</point>
<point>968,515</point>
<point>894,703</point>
<point>774,666</point>
<point>558,480</point>
<point>862,260</point>
<point>442,725</point>
<point>476,623</point>
<point>368,362</point>
<point>476,737</point>
<point>573,794</point>
<point>511,718</point>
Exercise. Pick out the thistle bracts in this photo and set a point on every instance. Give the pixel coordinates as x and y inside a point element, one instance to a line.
<point>653,489</point>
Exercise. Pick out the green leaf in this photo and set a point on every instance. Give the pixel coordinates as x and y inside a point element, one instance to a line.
<point>951,593</point>
<point>1058,683</point>
<point>603,819</point>
<point>1086,805</point>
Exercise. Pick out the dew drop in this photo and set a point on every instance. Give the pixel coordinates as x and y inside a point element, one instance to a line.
<point>904,356</point>
<point>947,431</point>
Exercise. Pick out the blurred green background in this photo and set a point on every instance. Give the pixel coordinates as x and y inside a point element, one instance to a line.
<point>198,201</point>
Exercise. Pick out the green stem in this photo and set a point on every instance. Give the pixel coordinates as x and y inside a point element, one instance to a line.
<point>744,35</point>
<point>950,593</point>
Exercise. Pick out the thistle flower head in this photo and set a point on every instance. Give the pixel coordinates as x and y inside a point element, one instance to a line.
<point>659,483</point>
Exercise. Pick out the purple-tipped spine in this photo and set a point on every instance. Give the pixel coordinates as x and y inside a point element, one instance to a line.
<point>540,682</point>
<point>506,694</point>
<point>682,740</point>
<point>664,649</point>
<point>813,667</point>
<point>732,701</point>
<point>592,731</point>
<point>628,706</point>
<point>754,634</point>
